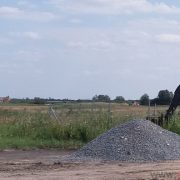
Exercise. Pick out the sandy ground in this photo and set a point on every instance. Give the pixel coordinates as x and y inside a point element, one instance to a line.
<point>44,165</point>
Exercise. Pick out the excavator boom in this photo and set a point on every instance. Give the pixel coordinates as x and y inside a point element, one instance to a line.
<point>174,103</point>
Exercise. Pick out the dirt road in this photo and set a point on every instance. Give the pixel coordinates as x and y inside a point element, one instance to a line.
<point>44,165</point>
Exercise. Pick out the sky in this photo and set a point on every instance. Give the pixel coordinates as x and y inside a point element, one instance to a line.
<point>76,49</point>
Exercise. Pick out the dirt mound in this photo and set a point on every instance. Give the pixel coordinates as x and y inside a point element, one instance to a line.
<point>136,140</point>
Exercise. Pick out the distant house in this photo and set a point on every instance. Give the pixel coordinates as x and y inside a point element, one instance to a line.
<point>135,103</point>
<point>5,99</point>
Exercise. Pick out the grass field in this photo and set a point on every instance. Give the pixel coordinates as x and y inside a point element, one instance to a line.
<point>33,127</point>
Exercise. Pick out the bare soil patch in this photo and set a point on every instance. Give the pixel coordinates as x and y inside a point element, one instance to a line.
<point>44,165</point>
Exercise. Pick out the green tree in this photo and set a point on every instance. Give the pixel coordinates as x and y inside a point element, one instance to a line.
<point>144,100</point>
<point>164,97</point>
<point>101,98</point>
<point>38,100</point>
<point>95,98</point>
<point>119,99</point>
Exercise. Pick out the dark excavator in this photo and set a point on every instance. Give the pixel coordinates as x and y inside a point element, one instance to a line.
<point>174,103</point>
<point>160,120</point>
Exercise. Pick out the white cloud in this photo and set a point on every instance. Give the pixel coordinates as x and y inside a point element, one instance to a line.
<point>29,56</point>
<point>77,44</point>
<point>32,35</point>
<point>114,6</point>
<point>92,45</point>
<point>29,35</point>
<point>9,11</point>
<point>91,73</point>
<point>76,21</point>
<point>18,14</point>
<point>5,40</point>
<point>9,68</point>
<point>106,39</point>
<point>168,38</point>
<point>25,3</point>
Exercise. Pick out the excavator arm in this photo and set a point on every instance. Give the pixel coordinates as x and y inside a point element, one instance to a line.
<point>174,103</point>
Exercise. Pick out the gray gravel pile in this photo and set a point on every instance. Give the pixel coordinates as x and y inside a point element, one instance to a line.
<point>136,140</point>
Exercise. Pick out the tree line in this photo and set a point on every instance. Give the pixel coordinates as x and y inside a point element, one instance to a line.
<point>164,97</point>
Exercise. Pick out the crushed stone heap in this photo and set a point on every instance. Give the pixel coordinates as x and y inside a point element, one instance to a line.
<point>136,140</point>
